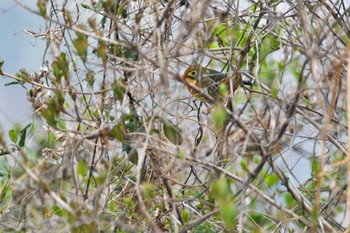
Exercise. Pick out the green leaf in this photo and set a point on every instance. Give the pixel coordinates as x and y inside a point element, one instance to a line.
<point>172,132</point>
<point>50,116</point>
<point>314,166</point>
<point>224,34</point>
<point>244,165</point>
<point>51,139</point>
<point>181,154</point>
<point>68,17</point>
<point>229,214</point>
<point>219,117</point>
<point>270,44</point>
<point>130,54</point>
<point>102,51</point>
<point>89,227</point>
<point>185,216</point>
<point>256,159</point>
<point>274,92</point>
<point>23,133</point>
<point>41,4</point>
<point>90,77</point>
<point>56,71</point>
<point>81,45</point>
<point>205,228</point>
<point>119,89</point>
<point>60,67</point>
<point>123,12</point>
<point>288,199</point>
<point>101,178</point>
<point>219,189</point>
<point>129,202</point>
<point>82,168</point>
<point>148,190</point>
<point>13,135</point>
<point>271,180</point>
<point>112,206</point>
<point>53,109</point>
<point>11,83</point>
<point>1,64</point>
<point>6,193</point>
<point>58,211</point>
<point>118,131</point>
<point>131,152</point>
<point>85,6</point>
<point>223,89</point>
<point>25,76</point>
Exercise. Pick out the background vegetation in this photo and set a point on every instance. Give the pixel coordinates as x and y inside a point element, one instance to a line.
<point>117,143</point>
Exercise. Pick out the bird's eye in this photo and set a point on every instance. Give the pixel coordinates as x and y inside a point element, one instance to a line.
<point>193,73</point>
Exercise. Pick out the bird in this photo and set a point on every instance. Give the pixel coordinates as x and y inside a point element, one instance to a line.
<point>209,80</point>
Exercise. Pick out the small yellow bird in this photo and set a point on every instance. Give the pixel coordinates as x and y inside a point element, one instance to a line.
<point>209,80</point>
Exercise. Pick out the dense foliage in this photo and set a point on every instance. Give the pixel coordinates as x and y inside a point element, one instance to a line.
<point>117,143</point>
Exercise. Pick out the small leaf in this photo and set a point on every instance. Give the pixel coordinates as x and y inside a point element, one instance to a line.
<point>274,92</point>
<point>68,17</point>
<point>41,4</point>
<point>60,66</point>
<point>101,178</point>
<point>119,89</point>
<point>102,51</point>
<point>229,214</point>
<point>130,54</point>
<point>129,202</point>
<point>84,6</point>
<point>13,135</point>
<point>315,166</point>
<point>244,165</point>
<point>131,152</point>
<point>148,191</point>
<point>11,83</point>
<point>50,117</point>
<point>223,89</point>
<point>123,12</point>
<point>112,206</point>
<point>118,131</point>
<point>81,45</point>
<point>256,159</point>
<point>219,117</point>
<point>1,64</point>
<point>58,211</point>
<point>25,76</point>
<point>288,199</point>
<point>23,133</point>
<point>181,154</point>
<point>88,227</point>
<point>185,216</point>
<point>271,180</point>
<point>90,77</point>
<point>56,71</point>
<point>82,168</point>
<point>219,189</point>
<point>172,132</point>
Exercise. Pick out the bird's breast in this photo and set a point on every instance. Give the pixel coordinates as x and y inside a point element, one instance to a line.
<point>194,82</point>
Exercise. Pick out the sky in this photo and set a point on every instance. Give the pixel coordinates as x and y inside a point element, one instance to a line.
<point>18,50</point>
